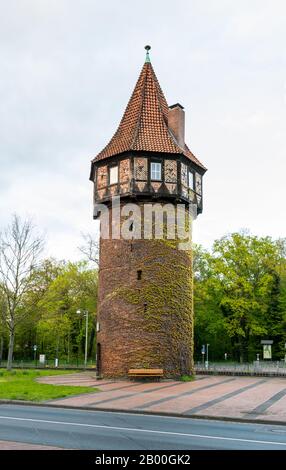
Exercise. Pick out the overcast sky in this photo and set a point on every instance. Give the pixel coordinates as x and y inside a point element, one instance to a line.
<point>68,67</point>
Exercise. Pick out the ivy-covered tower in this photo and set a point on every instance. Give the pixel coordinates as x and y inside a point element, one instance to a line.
<point>145,301</point>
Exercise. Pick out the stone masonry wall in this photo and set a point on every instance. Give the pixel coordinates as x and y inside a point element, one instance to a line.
<point>145,322</point>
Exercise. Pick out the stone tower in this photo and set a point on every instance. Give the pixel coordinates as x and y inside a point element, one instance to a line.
<point>145,303</point>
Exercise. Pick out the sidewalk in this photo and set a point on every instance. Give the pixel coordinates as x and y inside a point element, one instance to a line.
<point>243,398</point>
<point>9,445</point>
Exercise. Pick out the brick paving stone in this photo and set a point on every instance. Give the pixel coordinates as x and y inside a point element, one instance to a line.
<point>162,392</point>
<point>244,403</point>
<point>10,445</point>
<point>276,411</point>
<point>223,397</point>
<point>159,390</point>
<point>78,379</point>
<point>111,393</point>
<point>216,396</point>
<point>190,390</point>
<point>180,404</point>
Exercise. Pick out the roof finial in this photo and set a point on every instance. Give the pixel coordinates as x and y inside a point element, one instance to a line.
<point>147,53</point>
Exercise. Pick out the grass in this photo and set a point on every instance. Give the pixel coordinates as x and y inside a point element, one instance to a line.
<point>187,378</point>
<point>22,385</point>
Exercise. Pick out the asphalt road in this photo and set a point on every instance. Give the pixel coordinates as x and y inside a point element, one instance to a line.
<point>76,429</point>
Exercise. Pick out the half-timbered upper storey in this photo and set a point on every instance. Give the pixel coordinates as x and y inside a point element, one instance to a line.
<point>147,157</point>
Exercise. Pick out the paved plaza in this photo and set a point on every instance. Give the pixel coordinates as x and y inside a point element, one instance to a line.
<point>255,398</point>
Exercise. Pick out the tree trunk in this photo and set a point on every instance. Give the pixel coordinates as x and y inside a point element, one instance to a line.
<point>69,346</point>
<point>11,350</point>
<point>1,348</point>
<point>91,341</point>
<point>243,350</point>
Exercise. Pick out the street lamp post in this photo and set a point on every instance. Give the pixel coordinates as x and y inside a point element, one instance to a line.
<point>203,354</point>
<point>35,347</point>
<point>207,359</point>
<point>85,314</point>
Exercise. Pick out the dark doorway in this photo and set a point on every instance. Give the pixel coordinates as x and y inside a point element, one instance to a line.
<point>98,359</point>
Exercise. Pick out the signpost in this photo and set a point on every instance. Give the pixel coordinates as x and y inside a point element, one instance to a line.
<point>267,353</point>
<point>85,314</point>
<point>267,348</point>
<point>204,350</point>
<point>42,359</point>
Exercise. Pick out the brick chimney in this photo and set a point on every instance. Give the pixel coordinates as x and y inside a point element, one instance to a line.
<point>176,123</point>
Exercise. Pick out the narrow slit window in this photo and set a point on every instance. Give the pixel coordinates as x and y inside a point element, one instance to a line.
<point>139,274</point>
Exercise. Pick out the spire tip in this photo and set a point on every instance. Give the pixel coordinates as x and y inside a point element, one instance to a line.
<point>147,53</point>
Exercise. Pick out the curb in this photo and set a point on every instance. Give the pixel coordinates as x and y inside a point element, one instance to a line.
<point>146,413</point>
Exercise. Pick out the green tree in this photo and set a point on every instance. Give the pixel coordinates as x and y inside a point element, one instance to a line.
<point>60,330</point>
<point>210,325</point>
<point>238,287</point>
<point>3,327</point>
<point>20,248</point>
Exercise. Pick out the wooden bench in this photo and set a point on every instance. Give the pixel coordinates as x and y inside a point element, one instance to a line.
<point>146,373</point>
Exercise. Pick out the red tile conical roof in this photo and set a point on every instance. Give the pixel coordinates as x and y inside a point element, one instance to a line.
<point>144,125</point>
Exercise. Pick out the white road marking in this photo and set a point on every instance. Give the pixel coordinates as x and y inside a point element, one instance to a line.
<point>170,433</point>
